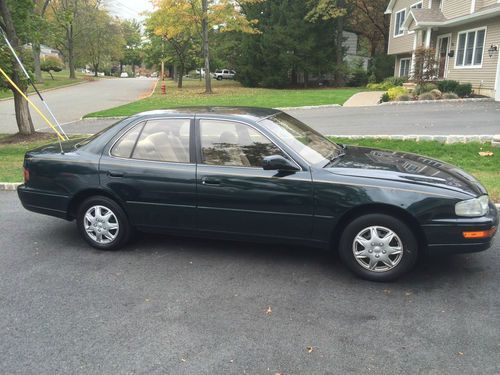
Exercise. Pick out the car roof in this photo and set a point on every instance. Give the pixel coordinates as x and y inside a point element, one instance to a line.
<point>248,113</point>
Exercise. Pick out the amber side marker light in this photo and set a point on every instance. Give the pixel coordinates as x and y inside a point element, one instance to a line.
<point>26,173</point>
<point>480,234</point>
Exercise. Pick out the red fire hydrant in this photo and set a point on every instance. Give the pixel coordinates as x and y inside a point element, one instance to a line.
<point>163,88</point>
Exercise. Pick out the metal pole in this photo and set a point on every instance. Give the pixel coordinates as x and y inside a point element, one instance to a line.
<point>33,84</point>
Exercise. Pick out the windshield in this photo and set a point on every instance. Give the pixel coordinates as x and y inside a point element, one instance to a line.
<point>308,143</point>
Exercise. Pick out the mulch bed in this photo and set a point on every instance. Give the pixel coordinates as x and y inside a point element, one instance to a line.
<point>19,138</point>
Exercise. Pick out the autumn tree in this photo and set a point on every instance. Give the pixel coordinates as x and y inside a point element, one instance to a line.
<point>187,20</point>
<point>16,17</point>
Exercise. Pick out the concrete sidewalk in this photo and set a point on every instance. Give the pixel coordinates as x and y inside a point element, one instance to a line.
<point>364,99</point>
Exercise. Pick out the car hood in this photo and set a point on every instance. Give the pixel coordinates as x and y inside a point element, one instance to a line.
<point>404,167</point>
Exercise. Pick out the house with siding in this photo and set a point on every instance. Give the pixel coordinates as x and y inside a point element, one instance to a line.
<point>464,33</point>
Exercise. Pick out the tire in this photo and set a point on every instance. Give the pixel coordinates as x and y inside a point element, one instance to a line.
<point>219,78</point>
<point>383,257</point>
<point>103,223</point>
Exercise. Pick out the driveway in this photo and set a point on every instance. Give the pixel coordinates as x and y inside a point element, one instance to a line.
<point>481,118</point>
<point>170,305</point>
<point>71,103</point>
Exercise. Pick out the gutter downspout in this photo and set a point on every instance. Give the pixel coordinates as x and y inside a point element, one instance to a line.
<point>497,81</point>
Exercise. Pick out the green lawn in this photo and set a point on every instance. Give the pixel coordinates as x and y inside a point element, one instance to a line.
<point>229,93</point>
<point>60,79</point>
<point>486,169</point>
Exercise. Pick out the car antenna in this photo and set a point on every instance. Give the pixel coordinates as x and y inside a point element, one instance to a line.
<point>60,137</point>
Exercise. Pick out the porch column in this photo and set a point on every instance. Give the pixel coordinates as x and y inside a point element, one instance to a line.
<point>428,38</point>
<point>415,38</point>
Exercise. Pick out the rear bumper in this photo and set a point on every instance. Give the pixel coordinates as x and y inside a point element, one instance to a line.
<point>43,202</point>
<point>446,236</point>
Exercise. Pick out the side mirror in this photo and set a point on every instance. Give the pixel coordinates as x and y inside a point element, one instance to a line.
<point>278,163</point>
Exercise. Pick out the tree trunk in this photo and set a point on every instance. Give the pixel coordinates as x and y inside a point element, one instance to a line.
<point>206,52</point>
<point>339,78</point>
<point>96,68</point>
<point>121,67</point>
<point>181,74</point>
<point>23,116</point>
<point>71,52</point>
<point>133,70</point>
<point>35,48</point>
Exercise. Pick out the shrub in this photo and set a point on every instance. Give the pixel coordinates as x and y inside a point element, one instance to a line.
<point>424,87</point>
<point>436,93</point>
<point>394,92</point>
<point>463,90</point>
<point>385,97</point>
<point>358,77</point>
<point>404,98</point>
<point>448,85</point>
<point>387,83</point>
<point>450,95</point>
<point>426,96</point>
<point>51,63</point>
<point>396,81</point>
<point>381,66</point>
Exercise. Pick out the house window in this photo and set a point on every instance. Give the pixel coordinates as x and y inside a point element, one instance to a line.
<point>404,67</point>
<point>470,48</point>
<point>398,26</point>
<point>418,5</point>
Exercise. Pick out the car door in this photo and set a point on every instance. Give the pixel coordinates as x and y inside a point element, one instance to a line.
<point>151,168</point>
<point>236,195</point>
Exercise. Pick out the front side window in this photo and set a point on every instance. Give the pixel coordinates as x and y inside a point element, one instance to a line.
<point>470,48</point>
<point>234,144</point>
<point>398,25</point>
<point>164,140</point>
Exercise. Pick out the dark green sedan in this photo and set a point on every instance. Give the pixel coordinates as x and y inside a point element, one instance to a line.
<point>259,174</point>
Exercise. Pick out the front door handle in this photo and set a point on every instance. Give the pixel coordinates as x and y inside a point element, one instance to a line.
<point>210,181</point>
<point>115,174</point>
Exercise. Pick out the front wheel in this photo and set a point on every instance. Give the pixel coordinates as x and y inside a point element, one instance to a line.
<point>378,247</point>
<point>219,78</point>
<point>103,223</point>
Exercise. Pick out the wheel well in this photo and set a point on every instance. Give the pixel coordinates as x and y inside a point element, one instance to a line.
<point>397,212</point>
<point>84,194</point>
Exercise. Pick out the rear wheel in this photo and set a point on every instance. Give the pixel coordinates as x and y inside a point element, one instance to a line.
<point>103,223</point>
<point>219,78</point>
<point>378,247</point>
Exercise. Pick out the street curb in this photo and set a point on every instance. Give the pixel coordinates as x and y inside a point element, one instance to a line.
<point>412,102</point>
<point>9,186</point>
<point>448,139</point>
<point>309,107</point>
<point>51,89</point>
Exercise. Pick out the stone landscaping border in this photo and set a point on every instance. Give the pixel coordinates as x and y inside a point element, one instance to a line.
<point>448,139</point>
<point>463,100</point>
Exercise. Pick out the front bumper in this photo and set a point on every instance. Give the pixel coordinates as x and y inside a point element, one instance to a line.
<point>446,236</point>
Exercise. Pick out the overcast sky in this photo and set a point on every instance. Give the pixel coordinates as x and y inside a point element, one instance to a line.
<point>128,8</point>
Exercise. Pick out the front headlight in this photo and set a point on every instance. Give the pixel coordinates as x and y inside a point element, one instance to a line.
<point>473,207</point>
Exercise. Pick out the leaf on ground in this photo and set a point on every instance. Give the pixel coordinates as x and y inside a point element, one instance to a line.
<point>460,353</point>
<point>310,349</point>
<point>486,153</point>
<point>269,311</point>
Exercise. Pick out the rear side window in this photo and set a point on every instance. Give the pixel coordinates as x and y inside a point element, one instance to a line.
<point>124,147</point>
<point>159,140</point>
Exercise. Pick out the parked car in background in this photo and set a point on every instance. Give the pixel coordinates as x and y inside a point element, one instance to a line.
<point>154,75</point>
<point>221,74</point>
<point>259,174</point>
<point>124,75</point>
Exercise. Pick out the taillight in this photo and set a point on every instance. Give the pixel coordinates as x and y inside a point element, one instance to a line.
<point>26,173</point>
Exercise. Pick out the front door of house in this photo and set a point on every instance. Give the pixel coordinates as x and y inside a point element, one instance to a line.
<point>443,45</point>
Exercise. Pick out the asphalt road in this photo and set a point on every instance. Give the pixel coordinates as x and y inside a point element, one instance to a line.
<point>481,118</point>
<point>71,103</point>
<point>184,306</point>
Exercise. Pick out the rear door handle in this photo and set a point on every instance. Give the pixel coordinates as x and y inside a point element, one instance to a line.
<point>210,181</point>
<point>115,174</point>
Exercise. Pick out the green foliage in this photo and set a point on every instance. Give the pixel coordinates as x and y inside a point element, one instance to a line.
<point>426,96</point>
<point>464,90</point>
<point>388,83</point>
<point>287,47</point>
<point>357,75</point>
<point>381,66</point>
<point>51,64</point>
<point>436,93</point>
<point>385,97</point>
<point>448,85</point>
<point>394,92</point>
<point>425,87</point>
<point>404,98</point>
<point>450,95</point>
<point>396,81</point>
